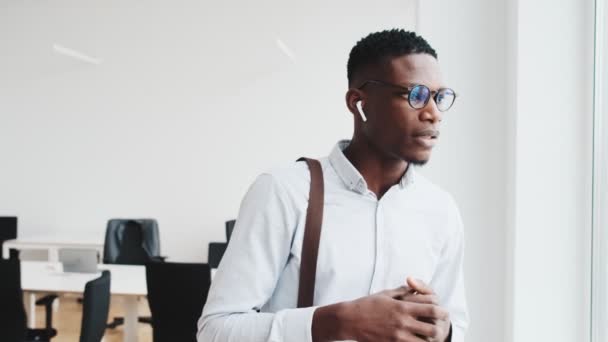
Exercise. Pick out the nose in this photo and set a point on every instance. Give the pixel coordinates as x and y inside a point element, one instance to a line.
<point>431,113</point>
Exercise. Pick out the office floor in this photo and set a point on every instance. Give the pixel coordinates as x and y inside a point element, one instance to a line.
<point>67,321</point>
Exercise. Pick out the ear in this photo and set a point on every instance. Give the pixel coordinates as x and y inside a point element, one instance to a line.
<point>353,97</point>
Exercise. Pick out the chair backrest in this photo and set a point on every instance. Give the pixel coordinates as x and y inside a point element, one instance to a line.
<point>12,313</point>
<point>95,308</point>
<point>131,241</point>
<point>177,293</point>
<point>229,228</point>
<point>215,253</point>
<point>8,228</point>
<point>8,231</point>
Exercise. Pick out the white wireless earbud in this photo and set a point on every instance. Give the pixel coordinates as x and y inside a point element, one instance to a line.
<point>360,107</point>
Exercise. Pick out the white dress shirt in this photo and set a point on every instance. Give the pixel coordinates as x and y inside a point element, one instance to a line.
<point>367,246</point>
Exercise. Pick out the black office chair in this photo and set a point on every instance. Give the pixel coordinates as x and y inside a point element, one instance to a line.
<point>131,242</point>
<point>8,231</point>
<point>177,293</point>
<point>95,309</point>
<point>215,253</point>
<point>13,326</point>
<point>229,228</point>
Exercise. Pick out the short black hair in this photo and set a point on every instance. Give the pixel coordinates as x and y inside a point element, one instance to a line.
<point>377,46</point>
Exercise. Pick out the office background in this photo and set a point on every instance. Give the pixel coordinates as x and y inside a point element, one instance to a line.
<point>178,106</point>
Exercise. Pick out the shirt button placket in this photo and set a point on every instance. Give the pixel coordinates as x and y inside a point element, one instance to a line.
<point>376,284</point>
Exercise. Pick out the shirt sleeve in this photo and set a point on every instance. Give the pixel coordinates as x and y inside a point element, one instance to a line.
<point>249,271</point>
<point>448,280</point>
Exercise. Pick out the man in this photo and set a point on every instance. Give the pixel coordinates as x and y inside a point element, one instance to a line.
<point>383,223</point>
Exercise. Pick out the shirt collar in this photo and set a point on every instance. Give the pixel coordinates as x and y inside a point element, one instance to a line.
<point>351,176</point>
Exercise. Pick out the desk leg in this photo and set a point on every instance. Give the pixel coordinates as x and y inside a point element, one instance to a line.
<point>30,309</point>
<point>56,303</point>
<point>53,254</point>
<point>131,312</point>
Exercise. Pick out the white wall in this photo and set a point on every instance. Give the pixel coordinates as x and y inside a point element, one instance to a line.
<point>552,171</point>
<point>192,100</point>
<point>519,160</point>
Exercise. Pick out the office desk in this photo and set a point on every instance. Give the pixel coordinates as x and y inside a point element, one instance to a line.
<point>52,244</point>
<point>128,281</point>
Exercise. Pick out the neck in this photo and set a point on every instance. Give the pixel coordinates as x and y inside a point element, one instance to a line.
<point>379,170</point>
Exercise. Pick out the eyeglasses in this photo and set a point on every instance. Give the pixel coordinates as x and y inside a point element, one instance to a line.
<point>418,95</point>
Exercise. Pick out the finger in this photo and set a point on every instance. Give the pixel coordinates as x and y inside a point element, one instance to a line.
<point>411,337</point>
<point>419,298</point>
<point>419,286</point>
<point>407,335</point>
<point>426,311</point>
<point>398,292</point>
<point>422,329</point>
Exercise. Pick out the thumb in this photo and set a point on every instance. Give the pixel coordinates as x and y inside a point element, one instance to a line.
<point>419,286</point>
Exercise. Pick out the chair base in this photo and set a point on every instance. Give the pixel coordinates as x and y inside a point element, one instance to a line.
<point>120,321</point>
<point>41,335</point>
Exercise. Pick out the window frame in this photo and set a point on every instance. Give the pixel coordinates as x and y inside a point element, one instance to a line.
<point>599,230</point>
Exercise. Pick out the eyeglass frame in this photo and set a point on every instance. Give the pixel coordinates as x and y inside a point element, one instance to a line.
<point>408,90</point>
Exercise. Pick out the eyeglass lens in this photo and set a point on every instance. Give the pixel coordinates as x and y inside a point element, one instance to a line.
<point>420,95</point>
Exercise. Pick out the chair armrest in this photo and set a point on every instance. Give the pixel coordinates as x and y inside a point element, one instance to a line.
<point>46,300</point>
<point>158,258</point>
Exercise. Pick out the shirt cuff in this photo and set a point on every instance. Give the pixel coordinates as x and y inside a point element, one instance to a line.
<point>292,325</point>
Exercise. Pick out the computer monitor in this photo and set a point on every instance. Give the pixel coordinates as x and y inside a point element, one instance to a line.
<point>78,260</point>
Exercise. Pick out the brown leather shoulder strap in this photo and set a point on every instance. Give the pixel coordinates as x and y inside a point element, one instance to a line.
<point>312,234</point>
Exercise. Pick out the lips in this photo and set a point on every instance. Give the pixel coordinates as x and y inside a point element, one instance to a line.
<point>426,138</point>
<point>431,133</point>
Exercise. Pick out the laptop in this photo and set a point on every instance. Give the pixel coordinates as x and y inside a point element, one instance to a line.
<point>78,260</point>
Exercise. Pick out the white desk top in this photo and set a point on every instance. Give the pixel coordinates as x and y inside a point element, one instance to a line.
<point>58,240</point>
<point>43,276</point>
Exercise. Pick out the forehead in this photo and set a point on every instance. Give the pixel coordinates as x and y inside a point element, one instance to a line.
<point>414,68</point>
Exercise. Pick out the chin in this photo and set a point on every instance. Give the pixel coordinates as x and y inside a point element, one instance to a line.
<point>417,159</point>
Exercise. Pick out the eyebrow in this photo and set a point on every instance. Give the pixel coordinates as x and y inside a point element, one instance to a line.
<point>412,84</point>
<point>401,86</point>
